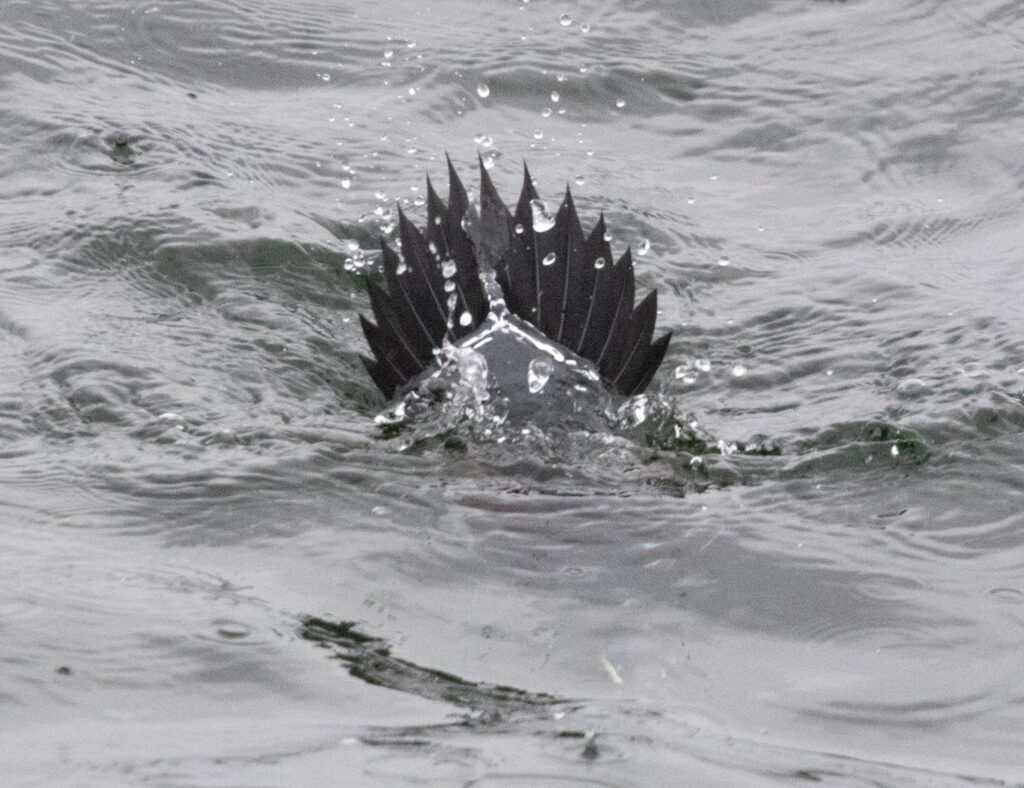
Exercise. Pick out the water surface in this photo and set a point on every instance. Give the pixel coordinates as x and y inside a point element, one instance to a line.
<point>215,570</point>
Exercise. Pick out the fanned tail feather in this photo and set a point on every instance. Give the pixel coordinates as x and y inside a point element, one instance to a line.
<point>559,280</point>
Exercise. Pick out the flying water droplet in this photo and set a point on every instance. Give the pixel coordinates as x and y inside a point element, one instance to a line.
<point>449,285</point>
<point>401,268</point>
<point>644,248</point>
<point>565,20</point>
<point>542,220</point>
<point>549,259</point>
<point>482,90</point>
<point>537,374</point>
<point>599,263</point>
<point>703,364</point>
<point>738,371</point>
<point>555,96</point>
<point>448,268</point>
<point>620,103</point>
<point>519,229</point>
<point>465,319</point>
<point>723,260</point>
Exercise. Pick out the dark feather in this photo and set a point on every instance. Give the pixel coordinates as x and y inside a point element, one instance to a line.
<point>581,299</point>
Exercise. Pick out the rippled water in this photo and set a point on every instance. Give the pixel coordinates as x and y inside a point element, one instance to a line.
<point>214,567</point>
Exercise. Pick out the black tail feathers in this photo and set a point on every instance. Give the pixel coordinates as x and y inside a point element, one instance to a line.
<point>551,275</point>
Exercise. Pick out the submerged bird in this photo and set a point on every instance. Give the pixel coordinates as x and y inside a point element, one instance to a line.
<point>533,313</point>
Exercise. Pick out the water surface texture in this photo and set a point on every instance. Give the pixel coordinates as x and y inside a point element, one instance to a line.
<point>216,569</point>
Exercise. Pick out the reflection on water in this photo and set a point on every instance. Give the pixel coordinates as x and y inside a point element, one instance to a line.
<point>799,558</point>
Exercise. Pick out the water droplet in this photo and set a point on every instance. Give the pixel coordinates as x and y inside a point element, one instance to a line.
<point>453,299</point>
<point>389,53</point>
<point>538,134</point>
<point>895,450</point>
<point>549,259</point>
<point>738,370</point>
<point>449,285</point>
<point>565,20</point>
<point>580,180</point>
<point>599,263</point>
<point>448,268</point>
<point>465,319</point>
<point>585,27</point>
<point>483,140</point>
<point>554,96</point>
<point>723,260</point>
<point>537,375</point>
<point>546,112</point>
<point>401,268</point>
<point>482,90</point>
<point>645,247</point>
<point>519,229</point>
<point>542,220</point>
<point>620,103</point>
<point>607,237</point>
<point>702,364</point>
<point>346,183</point>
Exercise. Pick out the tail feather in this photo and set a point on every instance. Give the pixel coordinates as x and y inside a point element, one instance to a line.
<point>557,278</point>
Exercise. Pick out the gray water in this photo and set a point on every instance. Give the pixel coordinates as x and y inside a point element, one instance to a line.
<point>215,569</point>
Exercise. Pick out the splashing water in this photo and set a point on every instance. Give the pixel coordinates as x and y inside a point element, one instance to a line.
<point>537,374</point>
